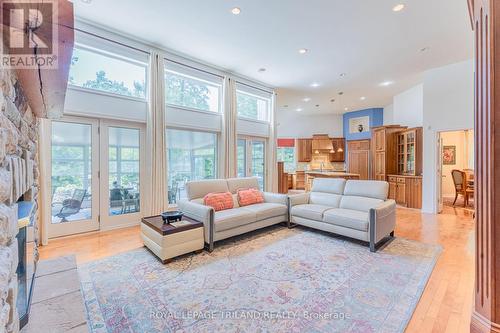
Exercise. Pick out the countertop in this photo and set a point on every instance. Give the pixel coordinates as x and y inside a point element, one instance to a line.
<point>332,174</point>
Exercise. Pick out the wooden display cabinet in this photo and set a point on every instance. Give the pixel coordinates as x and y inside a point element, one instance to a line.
<point>409,152</point>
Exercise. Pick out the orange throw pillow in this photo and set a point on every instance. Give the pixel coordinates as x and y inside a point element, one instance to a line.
<point>250,196</point>
<point>219,201</point>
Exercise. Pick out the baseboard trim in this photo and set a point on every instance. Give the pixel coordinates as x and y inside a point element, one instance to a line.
<point>480,324</point>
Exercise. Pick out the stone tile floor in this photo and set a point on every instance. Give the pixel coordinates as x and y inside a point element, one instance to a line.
<point>57,304</point>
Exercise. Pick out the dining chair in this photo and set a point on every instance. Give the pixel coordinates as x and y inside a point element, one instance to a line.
<point>461,186</point>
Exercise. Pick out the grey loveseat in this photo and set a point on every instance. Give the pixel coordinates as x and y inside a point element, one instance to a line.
<point>355,208</point>
<point>228,223</point>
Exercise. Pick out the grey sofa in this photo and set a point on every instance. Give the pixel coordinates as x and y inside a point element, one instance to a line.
<point>228,223</point>
<point>355,208</point>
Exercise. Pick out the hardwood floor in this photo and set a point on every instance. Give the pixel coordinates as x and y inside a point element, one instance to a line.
<point>447,301</point>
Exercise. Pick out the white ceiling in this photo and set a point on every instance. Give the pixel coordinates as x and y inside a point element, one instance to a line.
<point>363,38</point>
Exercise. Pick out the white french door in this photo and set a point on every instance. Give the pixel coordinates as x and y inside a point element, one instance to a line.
<point>74,173</point>
<point>96,175</point>
<point>251,158</point>
<point>121,179</point>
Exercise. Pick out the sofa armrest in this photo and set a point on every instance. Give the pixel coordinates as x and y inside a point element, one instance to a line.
<point>275,198</point>
<point>382,221</point>
<point>298,199</point>
<point>202,213</point>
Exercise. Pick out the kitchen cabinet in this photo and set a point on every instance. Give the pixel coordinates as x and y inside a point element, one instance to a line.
<point>409,152</point>
<point>406,190</point>
<point>338,145</point>
<point>384,151</point>
<point>300,180</point>
<point>358,161</point>
<point>304,150</point>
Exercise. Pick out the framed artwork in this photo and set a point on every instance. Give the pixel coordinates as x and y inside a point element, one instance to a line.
<point>359,124</point>
<point>449,155</point>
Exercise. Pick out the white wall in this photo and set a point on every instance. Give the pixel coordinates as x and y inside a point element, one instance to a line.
<point>292,124</point>
<point>408,107</point>
<point>448,105</point>
<point>389,115</point>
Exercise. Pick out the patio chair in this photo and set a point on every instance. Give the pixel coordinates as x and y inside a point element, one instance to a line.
<point>72,206</point>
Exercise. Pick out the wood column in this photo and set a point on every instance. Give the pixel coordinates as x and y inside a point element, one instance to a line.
<point>485,19</point>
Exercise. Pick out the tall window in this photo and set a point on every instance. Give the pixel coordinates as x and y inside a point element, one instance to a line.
<point>103,71</point>
<point>252,106</point>
<point>192,89</point>
<point>124,164</point>
<point>286,154</point>
<point>190,156</point>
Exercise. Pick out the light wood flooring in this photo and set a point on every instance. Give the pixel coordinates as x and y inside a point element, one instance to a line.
<point>447,301</point>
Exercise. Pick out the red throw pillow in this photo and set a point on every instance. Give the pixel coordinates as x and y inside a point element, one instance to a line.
<point>219,201</point>
<point>250,196</point>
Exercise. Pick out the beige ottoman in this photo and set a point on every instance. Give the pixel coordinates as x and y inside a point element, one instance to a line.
<point>167,241</point>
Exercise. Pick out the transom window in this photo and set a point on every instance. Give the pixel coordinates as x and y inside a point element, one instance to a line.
<point>192,89</point>
<point>110,73</point>
<point>252,105</point>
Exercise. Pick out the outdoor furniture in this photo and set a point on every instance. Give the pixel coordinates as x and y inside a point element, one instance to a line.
<point>172,193</point>
<point>462,186</point>
<point>116,199</point>
<point>72,206</point>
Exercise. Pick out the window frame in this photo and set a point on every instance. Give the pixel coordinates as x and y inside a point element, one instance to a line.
<point>114,56</point>
<point>284,162</point>
<point>268,109</point>
<point>187,129</point>
<point>220,87</point>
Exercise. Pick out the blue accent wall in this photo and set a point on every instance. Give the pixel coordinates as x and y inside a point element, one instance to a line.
<point>376,116</point>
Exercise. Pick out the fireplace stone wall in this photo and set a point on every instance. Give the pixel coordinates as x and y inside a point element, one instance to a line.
<point>18,177</point>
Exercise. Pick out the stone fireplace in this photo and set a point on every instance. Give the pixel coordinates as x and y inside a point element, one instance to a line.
<point>18,180</point>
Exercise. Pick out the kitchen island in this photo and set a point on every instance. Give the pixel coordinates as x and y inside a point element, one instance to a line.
<point>310,175</point>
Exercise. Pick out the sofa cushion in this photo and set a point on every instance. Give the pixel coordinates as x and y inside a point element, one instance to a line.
<point>199,188</point>
<point>347,218</point>
<point>233,218</point>
<point>325,199</point>
<point>362,204</point>
<point>250,196</point>
<point>219,201</point>
<point>310,211</point>
<point>267,210</point>
<point>329,185</point>
<point>235,184</point>
<point>367,188</point>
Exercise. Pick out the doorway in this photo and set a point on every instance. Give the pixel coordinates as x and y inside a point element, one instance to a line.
<point>95,175</point>
<point>455,169</point>
<point>251,158</point>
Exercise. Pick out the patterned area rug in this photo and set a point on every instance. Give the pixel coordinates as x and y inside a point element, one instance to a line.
<point>275,280</point>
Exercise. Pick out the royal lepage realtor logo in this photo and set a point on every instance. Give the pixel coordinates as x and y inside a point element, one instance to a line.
<point>29,32</point>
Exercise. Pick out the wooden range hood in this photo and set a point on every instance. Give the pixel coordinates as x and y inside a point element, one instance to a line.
<point>322,143</point>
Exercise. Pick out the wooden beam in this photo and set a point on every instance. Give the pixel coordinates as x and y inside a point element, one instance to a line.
<point>45,87</point>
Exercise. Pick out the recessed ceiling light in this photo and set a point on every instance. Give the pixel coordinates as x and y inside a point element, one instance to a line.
<point>236,11</point>
<point>317,105</point>
<point>343,74</point>
<point>261,70</point>
<point>341,93</point>
<point>346,109</point>
<point>332,100</point>
<point>362,98</point>
<point>299,110</point>
<point>386,83</point>
<point>398,7</point>
<point>307,99</point>
<point>315,84</point>
<point>303,51</point>
<point>424,49</point>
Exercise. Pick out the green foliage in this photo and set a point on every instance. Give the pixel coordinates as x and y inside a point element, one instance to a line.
<point>102,83</point>
<point>185,92</point>
<point>247,106</point>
